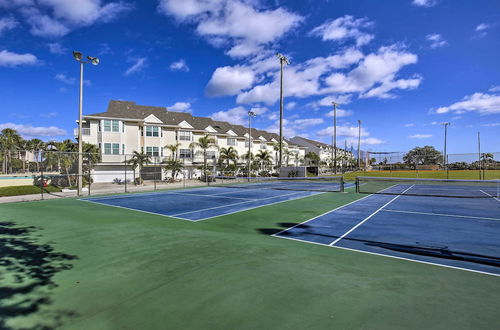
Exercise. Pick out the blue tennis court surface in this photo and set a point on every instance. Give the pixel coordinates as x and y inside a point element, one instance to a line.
<point>448,231</point>
<point>201,203</point>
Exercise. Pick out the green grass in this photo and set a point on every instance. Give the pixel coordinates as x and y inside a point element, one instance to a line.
<point>462,174</point>
<point>131,270</point>
<point>25,190</point>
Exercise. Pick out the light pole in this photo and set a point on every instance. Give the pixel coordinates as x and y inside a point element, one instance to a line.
<point>445,161</point>
<point>359,144</point>
<point>250,115</point>
<point>283,60</point>
<point>334,151</point>
<point>95,61</point>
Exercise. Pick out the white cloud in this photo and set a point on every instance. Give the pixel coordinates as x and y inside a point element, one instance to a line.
<point>482,27</point>
<point>494,89</point>
<point>301,80</point>
<point>180,107</point>
<point>351,134</point>
<point>409,125</point>
<point>343,28</point>
<point>229,81</point>
<point>290,105</point>
<point>48,115</point>
<point>56,48</point>
<point>140,64</point>
<point>179,65</point>
<point>13,59</point>
<point>7,23</point>
<point>436,40</point>
<point>56,18</point>
<point>237,115</point>
<point>420,136</point>
<point>425,3</point>
<point>376,74</point>
<point>33,131</point>
<point>483,103</point>
<point>63,78</point>
<point>491,125</point>
<point>341,113</point>
<point>220,22</point>
<point>293,127</point>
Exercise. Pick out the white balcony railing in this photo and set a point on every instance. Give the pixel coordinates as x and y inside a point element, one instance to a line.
<point>85,131</point>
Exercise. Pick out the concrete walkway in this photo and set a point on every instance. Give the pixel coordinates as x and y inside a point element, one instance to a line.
<point>100,189</point>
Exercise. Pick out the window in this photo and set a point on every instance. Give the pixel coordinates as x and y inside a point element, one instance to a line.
<point>111,125</point>
<point>185,153</point>
<point>210,154</point>
<point>263,145</point>
<point>153,151</point>
<point>184,136</point>
<point>231,141</point>
<point>246,143</point>
<point>123,149</point>
<point>111,148</point>
<point>152,131</point>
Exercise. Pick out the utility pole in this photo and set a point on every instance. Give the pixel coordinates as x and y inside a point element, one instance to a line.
<point>250,115</point>
<point>479,152</point>
<point>445,162</point>
<point>283,60</point>
<point>334,151</point>
<point>359,144</point>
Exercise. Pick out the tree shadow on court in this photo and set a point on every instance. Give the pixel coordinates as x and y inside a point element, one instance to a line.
<point>283,226</point>
<point>27,268</point>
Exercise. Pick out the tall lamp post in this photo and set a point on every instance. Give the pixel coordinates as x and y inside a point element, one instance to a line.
<point>250,115</point>
<point>283,61</point>
<point>359,144</point>
<point>334,151</point>
<point>95,61</point>
<point>445,161</point>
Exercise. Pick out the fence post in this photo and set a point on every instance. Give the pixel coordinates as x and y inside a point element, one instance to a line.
<point>357,184</point>
<point>125,163</point>
<point>90,175</point>
<point>41,175</point>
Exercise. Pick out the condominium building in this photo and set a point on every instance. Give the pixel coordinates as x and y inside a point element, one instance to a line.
<point>323,150</point>
<point>126,127</point>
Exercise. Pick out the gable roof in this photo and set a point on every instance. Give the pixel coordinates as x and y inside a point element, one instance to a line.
<point>131,110</point>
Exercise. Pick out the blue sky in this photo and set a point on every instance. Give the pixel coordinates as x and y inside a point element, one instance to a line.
<point>401,66</point>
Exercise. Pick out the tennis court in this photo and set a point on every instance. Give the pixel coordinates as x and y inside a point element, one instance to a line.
<point>205,203</point>
<point>406,219</point>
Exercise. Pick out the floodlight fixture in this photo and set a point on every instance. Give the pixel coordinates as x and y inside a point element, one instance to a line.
<point>77,55</point>
<point>93,60</point>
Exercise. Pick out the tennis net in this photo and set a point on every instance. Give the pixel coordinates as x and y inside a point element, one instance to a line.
<point>429,187</point>
<point>322,184</point>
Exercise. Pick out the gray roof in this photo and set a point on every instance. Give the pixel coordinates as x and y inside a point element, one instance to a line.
<point>131,110</point>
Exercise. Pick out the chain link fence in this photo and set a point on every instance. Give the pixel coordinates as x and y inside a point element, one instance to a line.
<point>53,173</point>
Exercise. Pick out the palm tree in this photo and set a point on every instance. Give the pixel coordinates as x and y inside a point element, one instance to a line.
<point>173,148</point>
<point>174,166</point>
<point>9,141</point>
<point>287,153</point>
<point>204,143</point>
<point>313,158</point>
<point>36,146</point>
<point>139,159</point>
<point>265,158</point>
<point>228,154</point>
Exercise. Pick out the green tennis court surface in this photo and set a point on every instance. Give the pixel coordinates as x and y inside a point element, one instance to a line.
<point>82,265</point>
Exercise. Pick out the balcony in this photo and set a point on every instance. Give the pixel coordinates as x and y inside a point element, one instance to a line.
<point>85,131</point>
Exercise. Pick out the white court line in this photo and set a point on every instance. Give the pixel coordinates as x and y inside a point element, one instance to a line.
<point>484,192</point>
<point>371,215</point>
<point>128,208</point>
<point>256,207</point>
<point>389,256</point>
<point>216,196</point>
<point>443,215</point>
<point>218,207</point>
